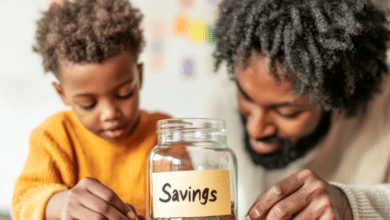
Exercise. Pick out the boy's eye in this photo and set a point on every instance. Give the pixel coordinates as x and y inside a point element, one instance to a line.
<point>125,96</point>
<point>126,92</point>
<point>87,107</point>
<point>85,102</point>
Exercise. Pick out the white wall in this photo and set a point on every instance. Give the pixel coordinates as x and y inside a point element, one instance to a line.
<point>27,97</point>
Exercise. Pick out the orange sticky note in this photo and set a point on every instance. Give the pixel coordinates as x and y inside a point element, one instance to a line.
<point>181,25</point>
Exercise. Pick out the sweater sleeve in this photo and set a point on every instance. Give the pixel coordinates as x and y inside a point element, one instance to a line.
<point>43,175</point>
<point>368,201</point>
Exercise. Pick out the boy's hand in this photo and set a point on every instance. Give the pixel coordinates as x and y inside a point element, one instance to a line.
<point>89,199</point>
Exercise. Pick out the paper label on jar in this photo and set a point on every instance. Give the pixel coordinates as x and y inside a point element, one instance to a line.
<point>191,193</point>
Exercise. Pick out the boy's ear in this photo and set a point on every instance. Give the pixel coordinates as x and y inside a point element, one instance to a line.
<point>61,93</point>
<point>140,68</point>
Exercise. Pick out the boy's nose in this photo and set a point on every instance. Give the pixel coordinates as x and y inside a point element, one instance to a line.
<point>258,126</point>
<point>109,112</point>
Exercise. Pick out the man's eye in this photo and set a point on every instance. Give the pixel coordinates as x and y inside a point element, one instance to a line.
<point>244,96</point>
<point>288,115</point>
<point>128,95</point>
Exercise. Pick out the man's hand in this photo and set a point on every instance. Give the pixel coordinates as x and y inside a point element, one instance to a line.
<point>302,195</point>
<point>89,199</point>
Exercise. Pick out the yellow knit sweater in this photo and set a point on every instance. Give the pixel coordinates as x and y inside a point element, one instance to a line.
<point>62,152</point>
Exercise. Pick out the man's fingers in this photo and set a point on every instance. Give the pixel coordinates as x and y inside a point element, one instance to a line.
<point>310,191</point>
<point>106,194</point>
<point>314,210</point>
<point>275,194</point>
<point>290,205</point>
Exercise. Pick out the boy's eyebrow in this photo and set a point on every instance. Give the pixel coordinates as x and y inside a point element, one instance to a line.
<point>124,83</point>
<point>82,95</point>
<point>116,87</point>
<point>274,104</point>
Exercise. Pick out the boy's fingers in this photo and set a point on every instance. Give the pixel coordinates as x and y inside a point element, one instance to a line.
<point>99,206</point>
<point>83,213</point>
<point>132,214</point>
<point>100,190</point>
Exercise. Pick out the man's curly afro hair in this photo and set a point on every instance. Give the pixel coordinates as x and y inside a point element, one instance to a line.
<point>88,31</point>
<point>335,48</point>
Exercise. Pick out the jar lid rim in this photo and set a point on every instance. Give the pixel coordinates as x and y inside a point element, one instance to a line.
<point>191,123</point>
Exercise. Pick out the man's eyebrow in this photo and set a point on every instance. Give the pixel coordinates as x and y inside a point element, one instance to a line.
<point>116,87</point>
<point>286,104</point>
<point>274,104</point>
<point>242,91</point>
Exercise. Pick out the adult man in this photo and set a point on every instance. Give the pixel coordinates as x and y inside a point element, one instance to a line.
<point>307,76</point>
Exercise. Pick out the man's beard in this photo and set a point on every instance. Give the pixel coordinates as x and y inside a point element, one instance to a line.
<point>290,151</point>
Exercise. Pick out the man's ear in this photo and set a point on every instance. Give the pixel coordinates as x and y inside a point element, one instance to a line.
<point>60,92</point>
<point>140,68</point>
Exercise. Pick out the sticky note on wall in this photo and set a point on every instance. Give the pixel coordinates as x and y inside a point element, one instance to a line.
<point>186,4</point>
<point>188,68</point>
<point>198,31</point>
<point>181,25</point>
<point>210,34</point>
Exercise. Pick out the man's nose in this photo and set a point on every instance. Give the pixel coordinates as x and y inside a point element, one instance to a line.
<point>259,125</point>
<point>109,111</point>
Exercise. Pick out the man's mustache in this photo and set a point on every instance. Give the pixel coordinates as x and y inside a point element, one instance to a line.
<point>272,139</point>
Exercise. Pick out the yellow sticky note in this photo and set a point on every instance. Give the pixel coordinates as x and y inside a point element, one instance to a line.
<point>198,31</point>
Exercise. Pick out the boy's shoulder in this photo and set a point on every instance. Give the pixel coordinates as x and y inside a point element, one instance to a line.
<point>57,120</point>
<point>56,124</point>
<point>154,116</point>
<point>55,132</point>
<point>149,119</point>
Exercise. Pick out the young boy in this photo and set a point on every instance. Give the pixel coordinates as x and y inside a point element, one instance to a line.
<point>90,162</point>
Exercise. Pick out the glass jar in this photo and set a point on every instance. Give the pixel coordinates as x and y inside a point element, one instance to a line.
<point>191,172</point>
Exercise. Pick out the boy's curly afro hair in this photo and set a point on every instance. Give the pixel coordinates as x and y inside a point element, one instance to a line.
<point>87,31</point>
<point>335,48</point>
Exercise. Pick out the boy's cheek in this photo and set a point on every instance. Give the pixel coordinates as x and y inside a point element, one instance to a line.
<point>89,121</point>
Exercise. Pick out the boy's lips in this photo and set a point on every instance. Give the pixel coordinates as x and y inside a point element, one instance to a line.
<point>264,148</point>
<point>114,132</point>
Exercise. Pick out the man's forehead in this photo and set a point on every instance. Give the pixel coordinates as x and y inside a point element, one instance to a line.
<point>264,61</point>
<point>258,84</point>
<point>275,99</point>
<point>259,69</point>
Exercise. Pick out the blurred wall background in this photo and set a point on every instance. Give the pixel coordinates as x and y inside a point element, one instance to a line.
<point>178,72</point>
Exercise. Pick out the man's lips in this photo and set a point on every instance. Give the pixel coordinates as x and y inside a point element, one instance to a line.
<point>264,148</point>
